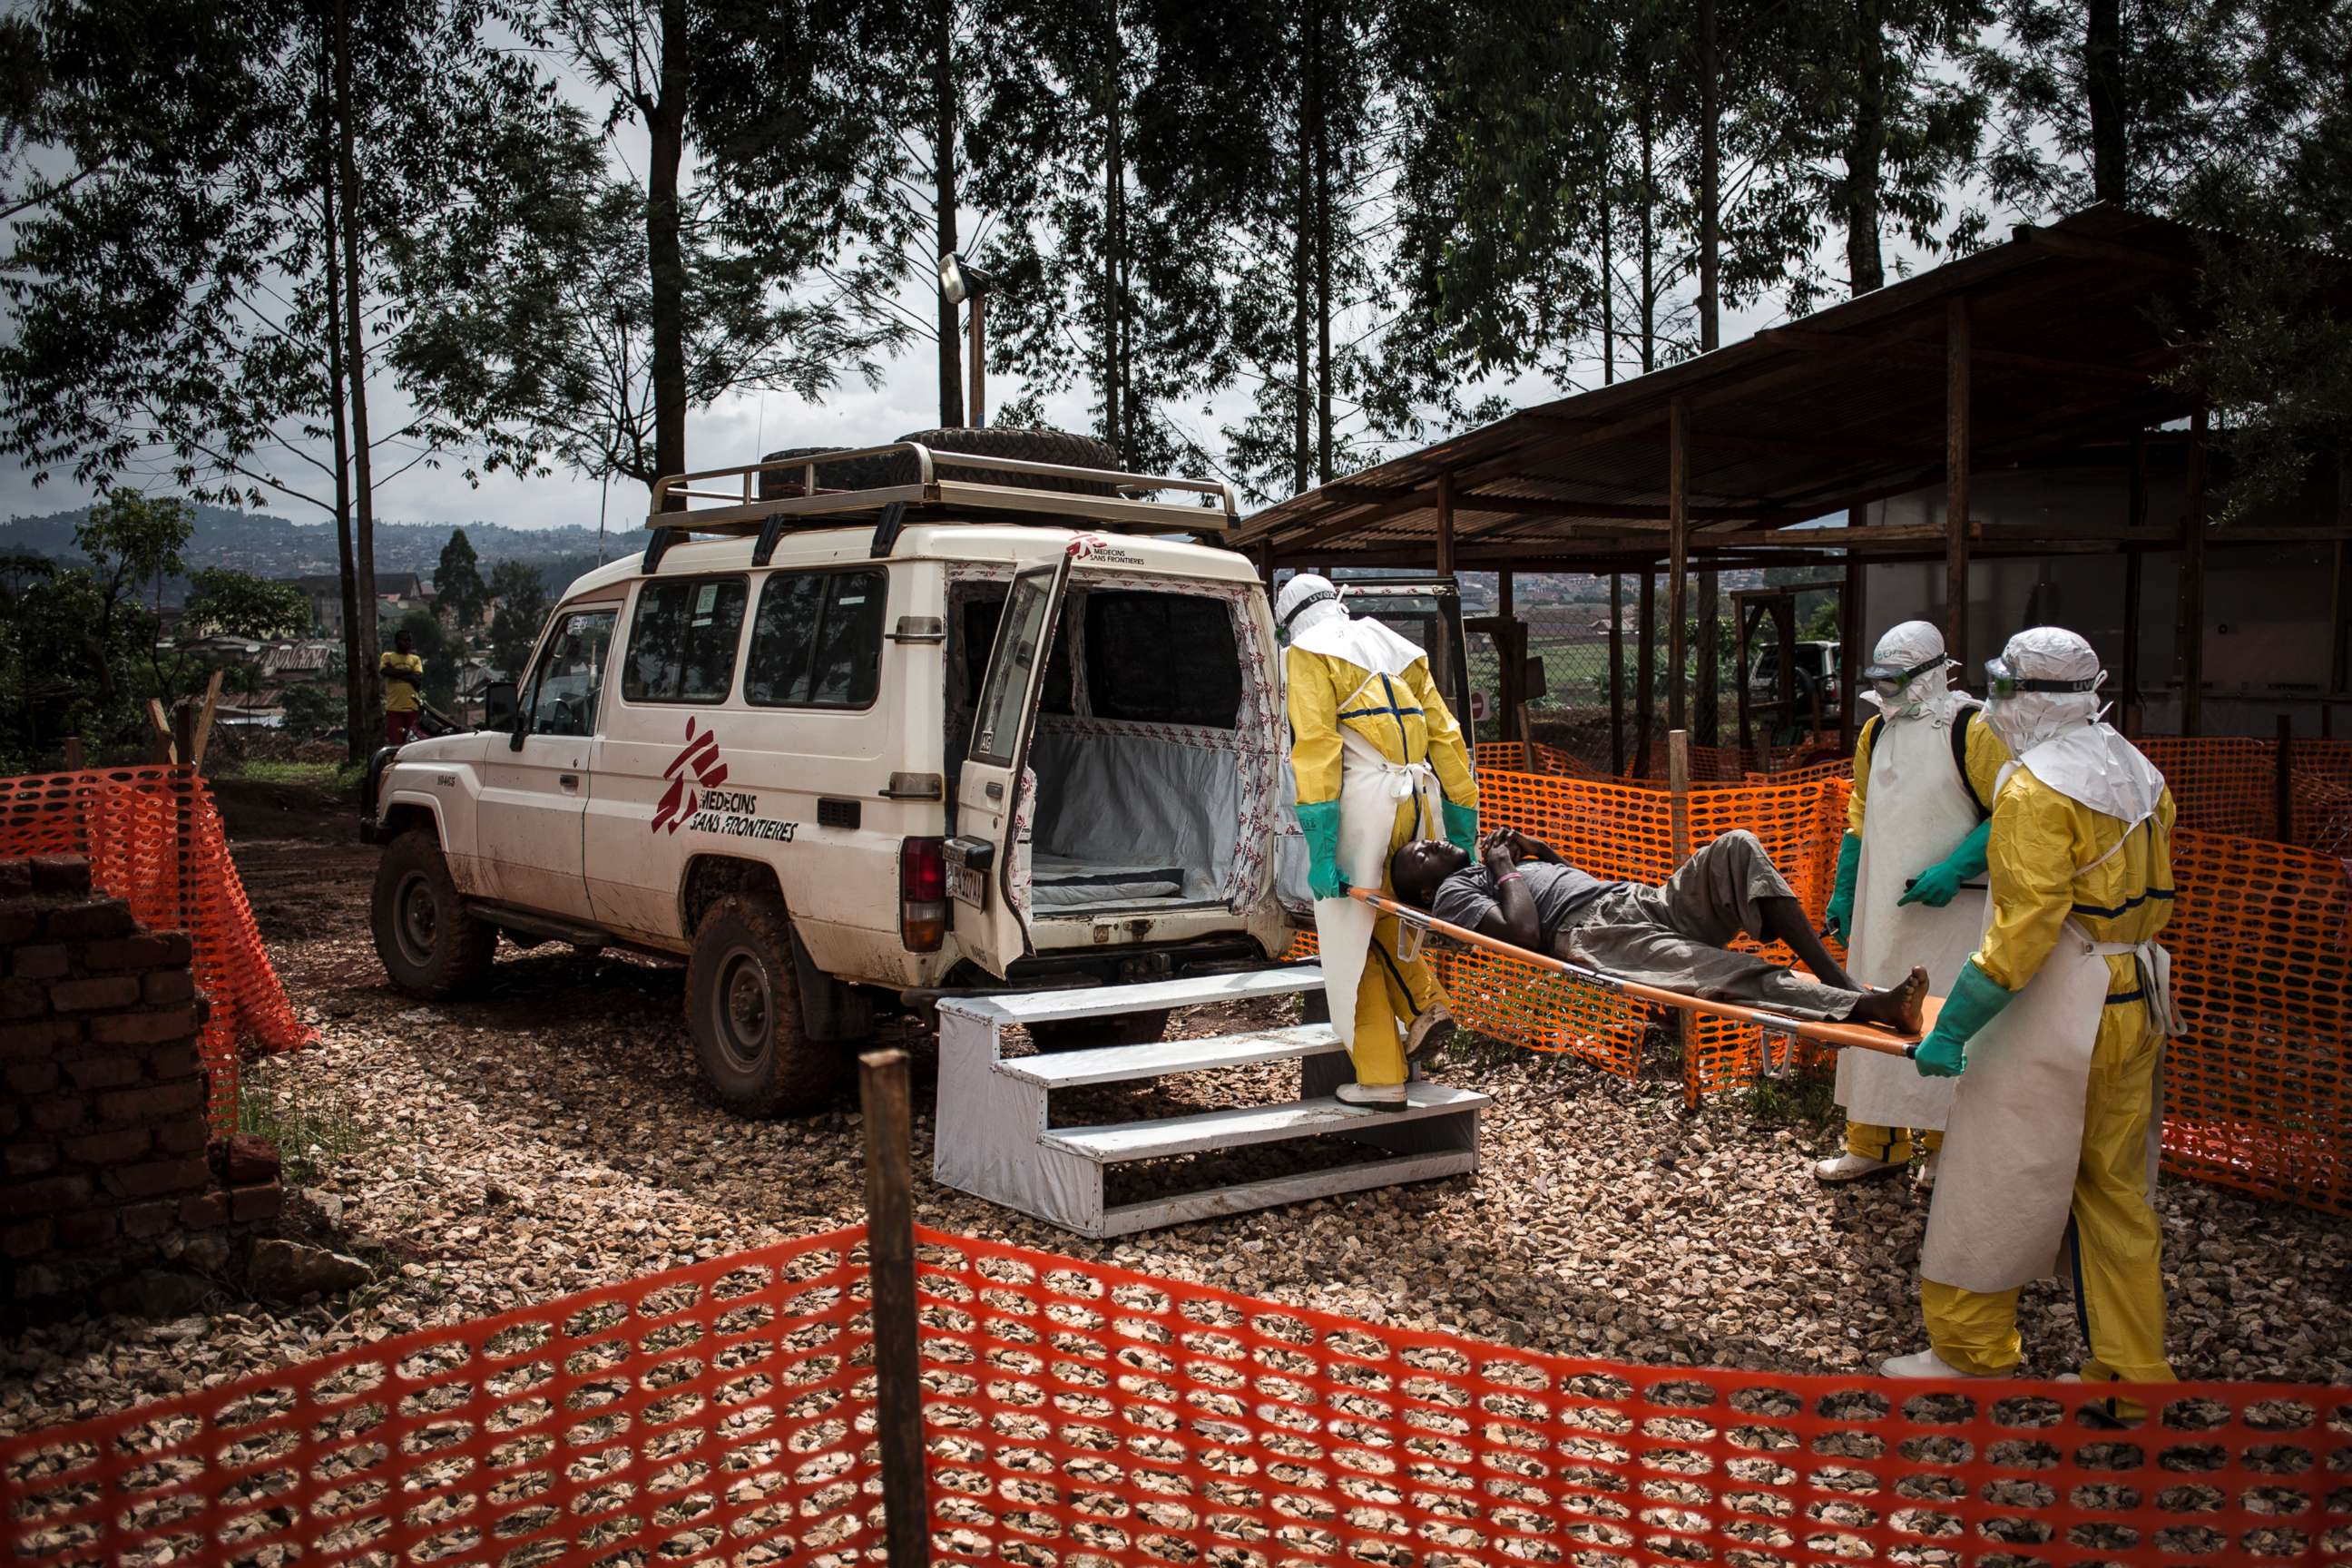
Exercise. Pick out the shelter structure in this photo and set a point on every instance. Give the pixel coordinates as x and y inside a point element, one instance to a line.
<point>2063,342</point>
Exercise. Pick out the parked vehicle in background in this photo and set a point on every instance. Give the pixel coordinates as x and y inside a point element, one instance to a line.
<point>858,729</point>
<point>1813,669</point>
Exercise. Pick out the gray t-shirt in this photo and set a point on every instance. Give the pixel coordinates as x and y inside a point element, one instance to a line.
<point>1562,895</point>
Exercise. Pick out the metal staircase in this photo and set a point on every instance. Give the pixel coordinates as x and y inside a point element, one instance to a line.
<point>995,1135</point>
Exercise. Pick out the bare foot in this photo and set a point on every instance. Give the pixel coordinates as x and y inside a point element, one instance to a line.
<point>1901,1009</point>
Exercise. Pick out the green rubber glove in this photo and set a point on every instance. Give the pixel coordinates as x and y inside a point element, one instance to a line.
<point>1976,1000</point>
<point>1841,919</point>
<point>1321,823</point>
<point>1941,883</point>
<point>1461,828</point>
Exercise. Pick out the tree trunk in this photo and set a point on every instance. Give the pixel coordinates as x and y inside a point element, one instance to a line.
<point>1865,152</point>
<point>1113,175</point>
<point>1710,180</point>
<point>943,170</point>
<point>363,640</point>
<point>356,739</point>
<point>2103,73</point>
<point>1319,118</point>
<point>1302,264</point>
<point>1707,699</point>
<point>664,252</point>
<point>1648,208</point>
<point>1608,286</point>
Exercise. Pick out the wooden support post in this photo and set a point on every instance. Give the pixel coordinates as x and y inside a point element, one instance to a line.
<point>1746,619</point>
<point>159,731</point>
<point>1853,627</point>
<point>2191,656</point>
<point>2283,780</point>
<point>1678,558</point>
<point>2133,567</point>
<point>183,803</point>
<point>203,737</point>
<point>1708,721</point>
<point>2340,608</point>
<point>1445,524</point>
<point>890,1264</point>
<point>1616,675</point>
<point>1678,792</point>
<point>1646,669</point>
<point>1956,444</point>
<point>75,760</point>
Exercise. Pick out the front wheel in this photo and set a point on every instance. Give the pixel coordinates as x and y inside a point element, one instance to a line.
<point>430,944</point>
<point>743,1008</point>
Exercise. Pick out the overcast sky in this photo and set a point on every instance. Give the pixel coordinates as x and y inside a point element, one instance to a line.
<point>739,429</point>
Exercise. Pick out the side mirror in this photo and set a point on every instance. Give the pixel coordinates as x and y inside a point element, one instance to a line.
<point>499,705</point>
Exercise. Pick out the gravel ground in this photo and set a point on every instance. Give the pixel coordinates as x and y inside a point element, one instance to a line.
<point>470,1153</point>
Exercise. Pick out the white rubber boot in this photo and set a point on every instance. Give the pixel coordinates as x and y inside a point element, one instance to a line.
<point>1373,1096</point>
<point>1852,1167</point>
<point>1925,1363</point>
<point>1927,1171</point>
<point>1431,1028</point>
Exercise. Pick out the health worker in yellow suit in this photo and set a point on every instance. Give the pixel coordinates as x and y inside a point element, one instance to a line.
<point>1378,762</point>
<point>2055,1030</point>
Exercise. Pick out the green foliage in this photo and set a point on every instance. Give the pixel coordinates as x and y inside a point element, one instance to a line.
<point>457,586</point>
<point>435,646</point>
<point>312,711</point>
<point>522,604</point>
<point>241,605</point>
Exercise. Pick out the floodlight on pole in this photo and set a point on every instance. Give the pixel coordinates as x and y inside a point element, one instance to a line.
<point>961,283</point>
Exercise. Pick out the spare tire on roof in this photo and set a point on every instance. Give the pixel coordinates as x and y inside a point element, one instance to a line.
<point>900,468</point>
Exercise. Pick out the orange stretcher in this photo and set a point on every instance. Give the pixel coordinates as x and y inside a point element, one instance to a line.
<point>1780,1034</point>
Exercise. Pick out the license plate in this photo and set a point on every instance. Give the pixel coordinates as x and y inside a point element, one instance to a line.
<point>967,884</point>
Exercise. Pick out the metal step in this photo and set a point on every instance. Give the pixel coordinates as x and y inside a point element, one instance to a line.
<point>1124,1219</point>
<point>1122,1064</point>
<point>1160,1140</point>
<point>994,1134</point>
<point>1111,1001</point>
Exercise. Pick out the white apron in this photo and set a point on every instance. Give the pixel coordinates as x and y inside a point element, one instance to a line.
<point>2005,1183</point>
<point>1372,787</point>
<point>1917,809</point>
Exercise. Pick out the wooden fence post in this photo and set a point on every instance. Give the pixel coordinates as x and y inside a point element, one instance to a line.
<point>2282,780</point>
<point>1678,829</point>
<point>890,1264</point>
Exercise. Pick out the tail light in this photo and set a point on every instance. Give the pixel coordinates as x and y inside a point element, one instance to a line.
<point>922,894</point>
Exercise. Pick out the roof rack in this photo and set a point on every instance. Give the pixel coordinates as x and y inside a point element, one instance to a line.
<point>746,512</point>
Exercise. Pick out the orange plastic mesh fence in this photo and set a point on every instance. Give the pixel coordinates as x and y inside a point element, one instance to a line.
<point>1709,764</point>
<point>2258,1093</point>
<point>153,839</point>
<point>1080,1416</point>
<point>2227,783</point>
<point>718,1413</point>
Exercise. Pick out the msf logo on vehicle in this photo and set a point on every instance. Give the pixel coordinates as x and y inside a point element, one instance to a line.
<point>702,806</point>
<point>699,756</point>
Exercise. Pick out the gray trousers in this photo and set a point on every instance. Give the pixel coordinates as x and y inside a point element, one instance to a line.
<point>1673,936</point>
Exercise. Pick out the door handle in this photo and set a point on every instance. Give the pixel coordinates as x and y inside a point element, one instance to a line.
<point>995,790</point>
<point>569,781</point>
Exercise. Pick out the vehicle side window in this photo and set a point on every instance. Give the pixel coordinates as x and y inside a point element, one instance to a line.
<point>570,679</point>
<point>682,640</point>
<point>817,640</point>
<point>1162,658</point>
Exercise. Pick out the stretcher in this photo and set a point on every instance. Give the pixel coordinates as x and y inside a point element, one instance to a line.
<point>1780,1034</point>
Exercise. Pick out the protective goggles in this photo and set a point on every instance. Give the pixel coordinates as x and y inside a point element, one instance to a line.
<point>1890,679</point>
<point>2001,680</point>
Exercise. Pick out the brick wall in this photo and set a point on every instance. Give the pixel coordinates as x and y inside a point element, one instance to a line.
<point>104,1115</point>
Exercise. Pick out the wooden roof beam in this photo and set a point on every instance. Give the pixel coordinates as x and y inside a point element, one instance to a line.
<point>1533,506</point>
<point>2087,247</point>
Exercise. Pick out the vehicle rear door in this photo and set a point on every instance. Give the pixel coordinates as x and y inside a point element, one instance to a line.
<point>985,858</point>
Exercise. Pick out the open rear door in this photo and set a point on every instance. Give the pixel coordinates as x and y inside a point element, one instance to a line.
<point>982,858</point>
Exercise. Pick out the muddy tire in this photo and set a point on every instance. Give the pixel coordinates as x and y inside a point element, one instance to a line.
<point>1093,1033</point>
<point>743,1008</point>
<point>857,474</point>
<point>429,944</point>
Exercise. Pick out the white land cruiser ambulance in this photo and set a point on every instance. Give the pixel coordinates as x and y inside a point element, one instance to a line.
<point>975,723</point>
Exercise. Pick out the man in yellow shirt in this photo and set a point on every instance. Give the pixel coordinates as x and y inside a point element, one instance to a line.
<point>403,675</point>
<point>1378,762</point>
<point>2055,1030</point>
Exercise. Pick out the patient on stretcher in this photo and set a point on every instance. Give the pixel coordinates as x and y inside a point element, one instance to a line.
<point>1520,891</point>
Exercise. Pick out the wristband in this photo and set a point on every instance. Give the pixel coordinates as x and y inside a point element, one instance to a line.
<point>1509,876</point>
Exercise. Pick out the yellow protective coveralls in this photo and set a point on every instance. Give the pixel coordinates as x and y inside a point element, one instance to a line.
<point>1986,756</point>
<point>1342,716</point>
<point>2053,862</point>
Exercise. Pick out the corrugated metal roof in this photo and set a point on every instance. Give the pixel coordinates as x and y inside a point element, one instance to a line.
<point>2068,338</point>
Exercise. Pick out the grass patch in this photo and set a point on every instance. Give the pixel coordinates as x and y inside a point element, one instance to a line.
<point>309,775</point>
<point>1806,1098</point>
<point>312,1135</point>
